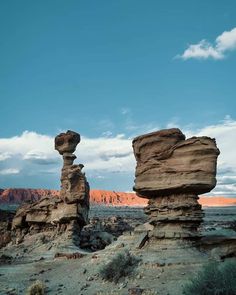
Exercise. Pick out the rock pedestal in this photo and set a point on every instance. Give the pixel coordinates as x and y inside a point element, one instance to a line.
<point>171,171</point>
<point>74,186</point>
<point>64,215</point>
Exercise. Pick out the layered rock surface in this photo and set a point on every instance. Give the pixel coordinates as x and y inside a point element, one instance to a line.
<point>63,214</point>
<point>171,171</point>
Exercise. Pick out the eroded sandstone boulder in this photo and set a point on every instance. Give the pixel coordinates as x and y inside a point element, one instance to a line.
<point>171,171</point>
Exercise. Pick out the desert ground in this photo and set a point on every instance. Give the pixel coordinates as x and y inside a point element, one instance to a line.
<point>161,269</point>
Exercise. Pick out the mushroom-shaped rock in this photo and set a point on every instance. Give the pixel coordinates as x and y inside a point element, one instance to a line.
<point>171,171</point>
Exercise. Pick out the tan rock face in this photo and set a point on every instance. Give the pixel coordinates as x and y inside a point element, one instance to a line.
<point>169,164</point>
<point>171,171</point>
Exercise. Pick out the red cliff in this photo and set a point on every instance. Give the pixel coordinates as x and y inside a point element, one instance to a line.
<point>19,195</point>
<point>116,198</point>
<point>14,196</point>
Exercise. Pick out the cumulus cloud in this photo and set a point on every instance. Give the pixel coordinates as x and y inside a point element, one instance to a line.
<point>27,142</point>
<point>203,50</point>
<point>108,159</point>
<point>113,154</point>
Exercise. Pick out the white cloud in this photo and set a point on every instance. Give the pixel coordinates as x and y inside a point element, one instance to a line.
<point>103,153</point>
<point>113,154</point>
<point>204,49</point>
<point>9,171</point>
<point>4,156</point>
<point>28,142</point>
<point>226,41</point>
<point>105,156</point>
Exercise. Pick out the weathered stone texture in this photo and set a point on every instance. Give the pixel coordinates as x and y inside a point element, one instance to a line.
<point>169,164</point>
<point>171,171</point>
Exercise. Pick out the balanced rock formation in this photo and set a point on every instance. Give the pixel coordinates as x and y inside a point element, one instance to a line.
<point>171,171</point>
<point>74,186</point>
<point>63,214</point>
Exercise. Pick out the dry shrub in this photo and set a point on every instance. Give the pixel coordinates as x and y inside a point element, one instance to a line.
<point>213,279</point>
<point>108,293</point>
<point>149,292</point>
<point>232,225</point>
<point>144,292</point>
<point>120,266</point>
<point>37,288</point>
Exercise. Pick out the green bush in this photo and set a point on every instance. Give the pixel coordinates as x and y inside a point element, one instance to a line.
<point>213,279</point>
<point>37,288</point>
<point>121,265</point>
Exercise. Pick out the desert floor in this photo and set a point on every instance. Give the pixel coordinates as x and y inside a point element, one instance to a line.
<point>163,269</point>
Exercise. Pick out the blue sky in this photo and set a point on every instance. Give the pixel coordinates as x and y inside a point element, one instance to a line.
<point>111,70</point>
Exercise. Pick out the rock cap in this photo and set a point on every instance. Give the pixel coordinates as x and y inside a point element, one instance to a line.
<point>167,163</point>
<point>67,142</point>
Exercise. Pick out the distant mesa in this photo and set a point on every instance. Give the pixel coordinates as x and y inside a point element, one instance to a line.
<point>217,201</point>
<point>100,197</point>
<point>19,195</point>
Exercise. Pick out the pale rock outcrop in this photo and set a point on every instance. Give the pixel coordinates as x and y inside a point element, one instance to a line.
<point>171,171</point>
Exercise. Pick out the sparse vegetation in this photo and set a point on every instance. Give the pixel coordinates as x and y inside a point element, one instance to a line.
<point>232,225</point>
<point>213,279</point>
<point>109,293</point>
<point>143,292</point>
<point>37,288</point>
<point>149,292</point>
<point>121,265</point>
